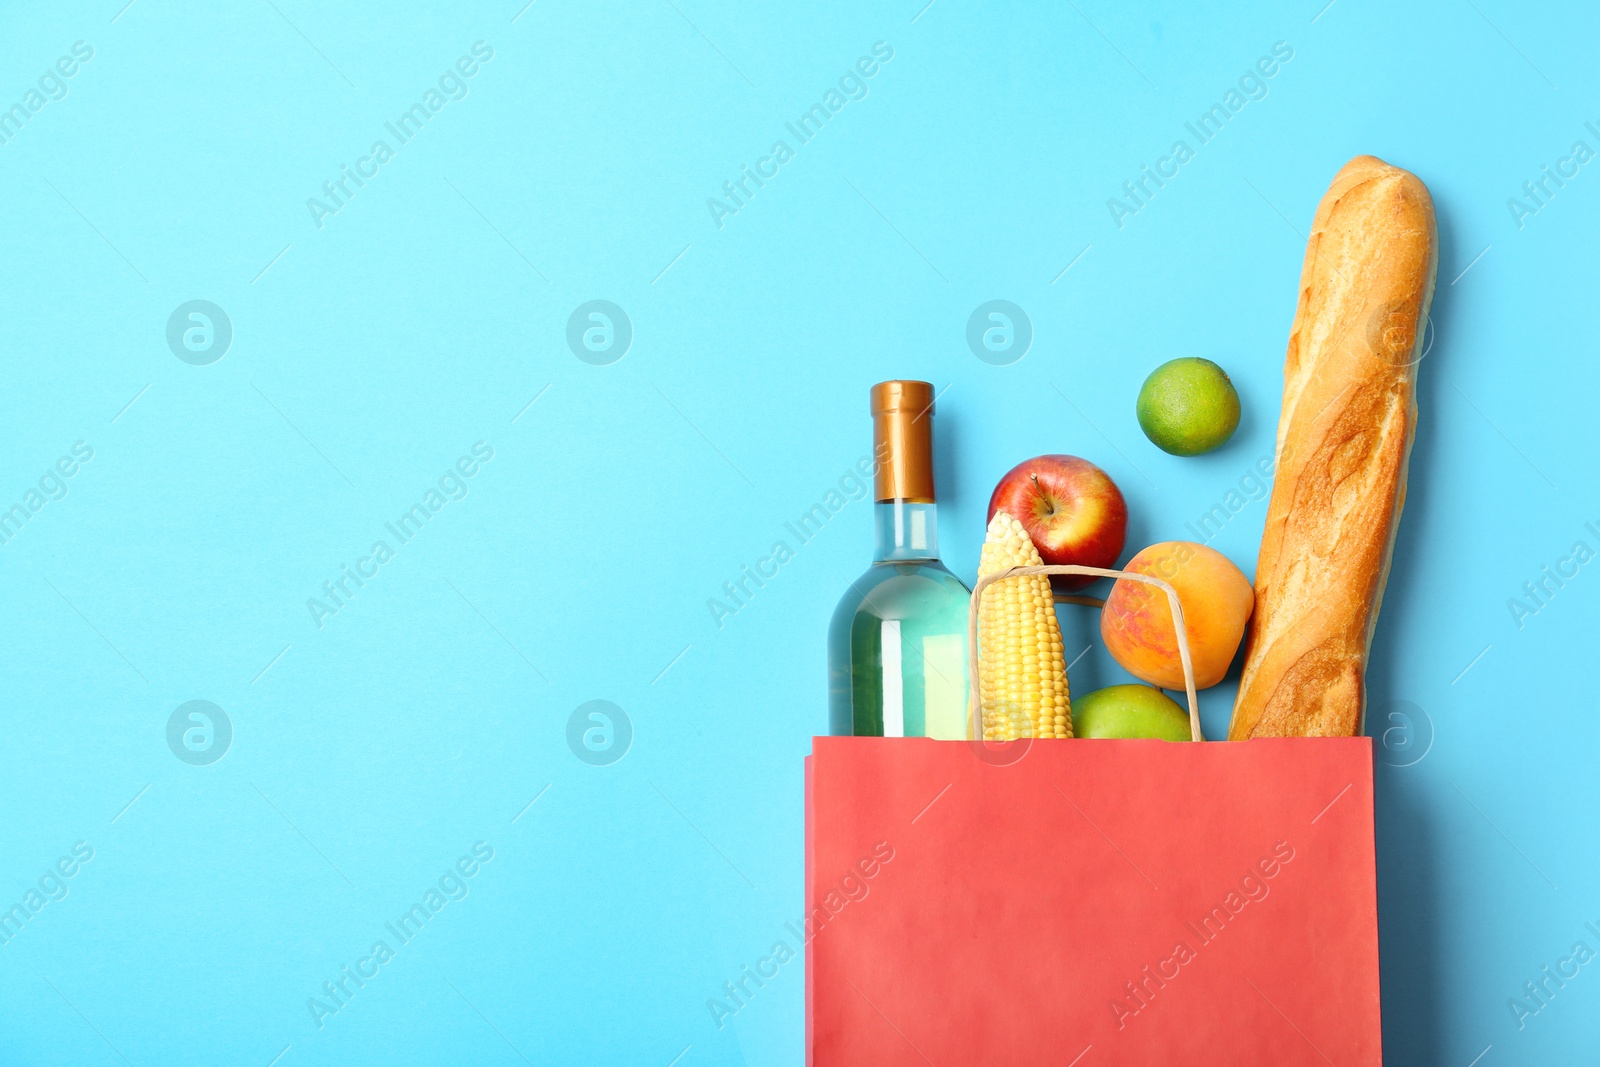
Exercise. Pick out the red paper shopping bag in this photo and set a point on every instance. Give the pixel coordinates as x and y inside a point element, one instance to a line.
<point>1091,902</point>
<point>1142,901</point>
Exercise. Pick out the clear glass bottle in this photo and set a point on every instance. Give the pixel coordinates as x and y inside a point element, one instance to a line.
<point>897,646</point>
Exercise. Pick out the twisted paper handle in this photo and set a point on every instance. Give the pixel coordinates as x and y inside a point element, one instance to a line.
<point>974,714</point>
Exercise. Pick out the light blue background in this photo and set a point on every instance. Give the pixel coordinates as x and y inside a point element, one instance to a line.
<point>424,316</point>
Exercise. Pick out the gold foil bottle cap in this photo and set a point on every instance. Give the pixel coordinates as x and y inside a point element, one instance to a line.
<point>902,441</point>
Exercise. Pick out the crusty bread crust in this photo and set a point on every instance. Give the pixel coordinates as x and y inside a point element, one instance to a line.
<point>1344,442</point>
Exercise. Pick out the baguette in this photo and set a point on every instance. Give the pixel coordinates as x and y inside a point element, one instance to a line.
<point>1344,441</point>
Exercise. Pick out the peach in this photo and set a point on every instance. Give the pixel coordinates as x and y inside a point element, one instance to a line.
<point>1217,600</point>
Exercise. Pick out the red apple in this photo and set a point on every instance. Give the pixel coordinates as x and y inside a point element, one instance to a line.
<point>1071,509</point>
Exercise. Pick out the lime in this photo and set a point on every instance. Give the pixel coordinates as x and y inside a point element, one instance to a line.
<point>1129,711</point>
<point>1188,406</point>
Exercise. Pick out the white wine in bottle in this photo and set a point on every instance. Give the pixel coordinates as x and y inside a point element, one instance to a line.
<point>897,646</point>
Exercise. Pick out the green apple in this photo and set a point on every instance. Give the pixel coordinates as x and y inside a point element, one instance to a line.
<point>1129,711</point>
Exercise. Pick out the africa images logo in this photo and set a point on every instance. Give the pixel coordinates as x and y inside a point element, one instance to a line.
<point>450,85</point>
<point>199,733</point>
<point>1253,887</point>
<point>999,332</point>
<point>1137,193</point>
<point>599,733</point>
<point>599,332</point>
<point>51,86</point>
<point>199,332</point>
<point>851,85</point>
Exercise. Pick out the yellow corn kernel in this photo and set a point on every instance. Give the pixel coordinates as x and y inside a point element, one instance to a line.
<point>1022,682</point>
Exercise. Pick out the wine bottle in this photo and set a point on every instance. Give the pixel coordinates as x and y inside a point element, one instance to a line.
<point>897,645</point>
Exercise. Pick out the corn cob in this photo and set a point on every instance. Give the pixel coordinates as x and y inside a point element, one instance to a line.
<point>1022,683</point>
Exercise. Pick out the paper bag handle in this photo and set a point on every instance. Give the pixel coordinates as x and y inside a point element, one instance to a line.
<point>974,714</point>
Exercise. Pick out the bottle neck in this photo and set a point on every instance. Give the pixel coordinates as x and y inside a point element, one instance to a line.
<point>905,524</point>
<point>905,531</point>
